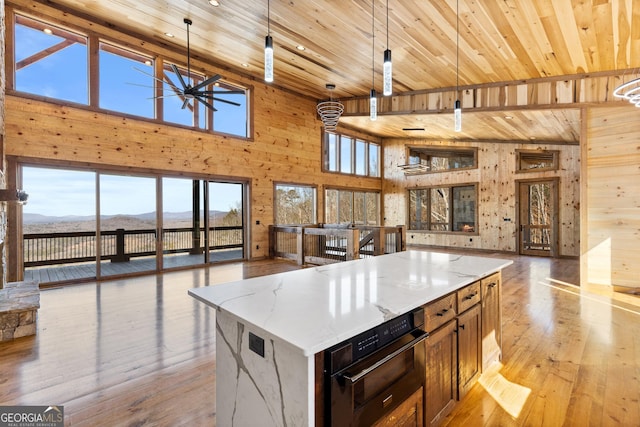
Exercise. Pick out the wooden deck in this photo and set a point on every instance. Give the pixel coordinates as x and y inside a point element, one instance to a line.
<point>141,352</point>
<point>69,273</point>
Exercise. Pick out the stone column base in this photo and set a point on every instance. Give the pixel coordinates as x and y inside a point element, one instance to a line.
<point>19,304</point>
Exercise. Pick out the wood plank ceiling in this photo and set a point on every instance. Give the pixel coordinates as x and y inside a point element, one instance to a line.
<point>499,41</point>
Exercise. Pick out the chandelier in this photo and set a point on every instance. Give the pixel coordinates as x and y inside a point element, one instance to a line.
<point>330,111</point>
<point>629,91</point>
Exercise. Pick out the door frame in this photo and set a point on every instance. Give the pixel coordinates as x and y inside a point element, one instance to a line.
<point>555,198</point>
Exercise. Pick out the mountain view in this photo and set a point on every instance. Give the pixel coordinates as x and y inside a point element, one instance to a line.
<point>38,223</point>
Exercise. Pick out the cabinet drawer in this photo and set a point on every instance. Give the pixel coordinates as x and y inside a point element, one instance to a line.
<point>439,312</point>
<point>468,296</point>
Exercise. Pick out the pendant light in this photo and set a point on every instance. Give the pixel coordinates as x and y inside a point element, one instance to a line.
<point>268,48</point>
<point>386,67</point>
<point>373,100</point>
<point>457,111</point>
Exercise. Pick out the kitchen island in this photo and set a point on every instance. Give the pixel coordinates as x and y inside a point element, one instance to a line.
<point>271,329</point>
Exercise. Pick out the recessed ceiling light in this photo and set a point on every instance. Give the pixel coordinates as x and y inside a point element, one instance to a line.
<point>300,47</point>
<point>147,62</point>
<point>245,65</point>
<point>169,35</point>
<point>508,117</point>
<point>214,3</point>
<point>47,31</point>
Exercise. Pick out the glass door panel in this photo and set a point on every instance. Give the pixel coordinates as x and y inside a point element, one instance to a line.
<point>128,224</point>
<point>59,224</point>
<point>182,222</point>
<point>538,205</point>
<point>225,238</point>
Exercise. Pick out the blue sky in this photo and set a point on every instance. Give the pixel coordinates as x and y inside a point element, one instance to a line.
<point>58,192</point>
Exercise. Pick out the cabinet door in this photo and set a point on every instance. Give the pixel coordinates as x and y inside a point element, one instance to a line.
<point>491,320</point>
<point>469,354</point>
<point>441,373</point>
<point>408,414</point>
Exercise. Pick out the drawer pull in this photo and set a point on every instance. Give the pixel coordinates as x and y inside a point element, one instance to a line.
<point>471,296</point>
<point>492,284</point>
<point>442,312</point>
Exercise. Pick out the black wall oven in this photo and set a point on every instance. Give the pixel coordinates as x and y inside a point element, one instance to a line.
<point>371,374</point>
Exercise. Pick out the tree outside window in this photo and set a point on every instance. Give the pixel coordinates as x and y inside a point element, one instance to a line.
<point>295,204</point>
<point>443,209</point>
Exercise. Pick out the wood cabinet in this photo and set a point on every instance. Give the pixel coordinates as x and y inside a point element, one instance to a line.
<point>408,414</point>
<point>465,337</point>
<point>469,349</point>
<point>441,382</point>
<point>491,293</point>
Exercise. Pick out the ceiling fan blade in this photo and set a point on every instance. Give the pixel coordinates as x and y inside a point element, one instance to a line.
<point>207,82</point>
<point>147,74</point>
<point>185,103</point>
<point>219,99</point>
<point>222,92</point>
<point>177,73</point>
<point>205,102</point>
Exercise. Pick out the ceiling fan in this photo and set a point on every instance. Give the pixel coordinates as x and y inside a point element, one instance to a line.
<point>200,92</point>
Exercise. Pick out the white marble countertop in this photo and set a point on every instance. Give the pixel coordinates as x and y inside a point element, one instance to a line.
<point>315,308</point>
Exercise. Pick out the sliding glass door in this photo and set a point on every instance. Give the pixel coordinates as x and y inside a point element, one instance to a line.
<point>182,222</point>
<point>226,221</point>
<point>128,224</point>
<point>87,224</point>
<point>59,224</point>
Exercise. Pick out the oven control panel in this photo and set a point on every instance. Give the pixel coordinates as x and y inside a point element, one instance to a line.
<point>369,341</point>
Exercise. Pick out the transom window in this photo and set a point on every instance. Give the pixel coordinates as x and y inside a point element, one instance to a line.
<point>349,155</point>
<point>536,160</point>
<point>352,207</point>
<point>54,62</point>
<point>50,61</point>
<point>439,159</point>
<point>448,209</point>
<point>295,204</point>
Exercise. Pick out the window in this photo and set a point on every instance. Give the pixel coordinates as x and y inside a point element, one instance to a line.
<point>54,62</point>
<point>349,155</point>
<point>295,204</point>
<point>177,109</point>
<point>449,209</point>
<point>439,159</point>
<point>126,76</point>
<point>535,161</point>
<point>50,61</point>
<point>352,207</point>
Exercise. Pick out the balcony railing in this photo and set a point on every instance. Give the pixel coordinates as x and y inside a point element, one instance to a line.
<point>329,243</point>
<point>121,245</point>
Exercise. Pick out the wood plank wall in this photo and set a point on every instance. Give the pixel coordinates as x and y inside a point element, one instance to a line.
<point>496,178</point>
<point>611,250</point>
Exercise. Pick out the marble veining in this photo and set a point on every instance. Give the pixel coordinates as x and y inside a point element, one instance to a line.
<point>315,308</point>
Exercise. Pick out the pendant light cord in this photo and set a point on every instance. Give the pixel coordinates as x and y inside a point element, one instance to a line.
<point>457,47</point>
<point>387,24</point>
<point>373,43</point>
<point>268,17</point>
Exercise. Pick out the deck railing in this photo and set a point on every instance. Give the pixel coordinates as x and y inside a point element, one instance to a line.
<point>328,243</point>
<point>120,245</point>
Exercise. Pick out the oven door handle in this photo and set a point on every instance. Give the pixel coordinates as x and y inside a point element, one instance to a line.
<point>355,378</point>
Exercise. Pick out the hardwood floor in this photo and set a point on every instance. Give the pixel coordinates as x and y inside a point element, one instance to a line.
<point>142,352</point>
